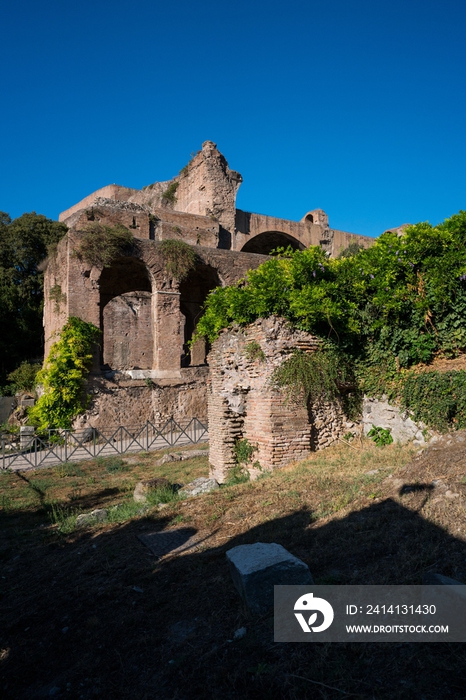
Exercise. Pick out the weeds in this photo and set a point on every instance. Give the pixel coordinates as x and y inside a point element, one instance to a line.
<point>62,516</point>
<point>381,436</point>
<point>162,494</point>
<point>243,455</point>
<point>125,511</point>
<point>112,465</point>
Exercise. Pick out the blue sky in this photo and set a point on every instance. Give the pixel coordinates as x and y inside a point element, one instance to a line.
<point>357,107</point>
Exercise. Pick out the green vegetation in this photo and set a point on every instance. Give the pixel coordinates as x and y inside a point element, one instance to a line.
<point>381,436</point>
<point>244,452</point>
<point>352,249</point>
<point>24,243</point>
<point>436,398</point>
<point>100,244</point>
<point>253,351</point>
<point>63,376</point>
<point>311,376</point>
<point>23,378</point>
<point>169,196</point>
<point>178,258</point>
<point>57,296</point>
<point>384,309</point>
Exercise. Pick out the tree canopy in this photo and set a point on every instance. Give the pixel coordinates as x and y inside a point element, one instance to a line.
<point>24,243</point>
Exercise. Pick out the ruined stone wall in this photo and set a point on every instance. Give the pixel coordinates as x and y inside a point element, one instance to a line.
<point>313,229</point>
<point>88,290</point>
<point>112,192</point>
<point>248,226</point>
<point>243,403</point>
<point>56,293</point>
<point>132,402</point>
<point>342,239</point>
<point>206,186</point>
<point>127,339</point>
<point>155,224</point>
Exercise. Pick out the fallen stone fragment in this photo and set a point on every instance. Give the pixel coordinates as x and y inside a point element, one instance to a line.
<point>257,568</point>
<point>181,456</point>
<point>170,457</point>
<point>97,515</point>
<point>198,486</point>
<point>143,488</point>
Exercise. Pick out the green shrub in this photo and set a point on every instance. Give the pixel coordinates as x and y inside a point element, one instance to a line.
<point>310,376</point>
<point>63,376</point>
<point>100,244</point>
<point>253,351</point>
<point>178,258</point>
<point>170,193</point>
<point>23,378</point>
<point>436,398</point>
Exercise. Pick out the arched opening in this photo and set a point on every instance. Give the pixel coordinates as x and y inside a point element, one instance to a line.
<point>126,315</point>
<point>194,290</point>
<point>265,242</point>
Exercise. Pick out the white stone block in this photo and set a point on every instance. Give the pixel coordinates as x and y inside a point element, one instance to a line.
<point>257,568</point>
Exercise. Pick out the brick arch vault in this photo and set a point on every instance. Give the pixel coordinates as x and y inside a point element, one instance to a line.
<point>267,241</point>
<point>126,315</point>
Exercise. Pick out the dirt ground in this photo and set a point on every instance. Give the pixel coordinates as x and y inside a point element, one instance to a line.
<point>93,613</point>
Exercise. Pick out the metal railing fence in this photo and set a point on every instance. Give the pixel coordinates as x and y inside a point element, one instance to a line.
<point>26,452</point>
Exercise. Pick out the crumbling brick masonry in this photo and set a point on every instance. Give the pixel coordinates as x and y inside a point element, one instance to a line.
<point>243,402</point>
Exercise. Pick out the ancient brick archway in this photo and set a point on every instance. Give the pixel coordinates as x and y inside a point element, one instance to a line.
<point>126,315</point>
<point>267,241</point>
<point>193,293</point>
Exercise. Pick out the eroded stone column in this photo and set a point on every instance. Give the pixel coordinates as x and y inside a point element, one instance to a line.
<point>168,333</point>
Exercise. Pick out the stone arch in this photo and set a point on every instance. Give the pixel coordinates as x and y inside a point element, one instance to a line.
<point>267,241</point>
<point>193,293</point>
<point>126,315</point>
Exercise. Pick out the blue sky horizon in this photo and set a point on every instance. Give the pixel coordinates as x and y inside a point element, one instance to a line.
<point>352,106</point>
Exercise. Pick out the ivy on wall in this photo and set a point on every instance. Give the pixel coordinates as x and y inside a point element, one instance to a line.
<point>63,376</point>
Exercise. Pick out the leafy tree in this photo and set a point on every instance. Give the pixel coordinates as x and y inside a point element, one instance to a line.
<point>24,243</point>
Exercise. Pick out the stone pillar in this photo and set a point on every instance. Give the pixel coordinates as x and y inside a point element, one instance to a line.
<point>168,335</point>
<point>26,436</point>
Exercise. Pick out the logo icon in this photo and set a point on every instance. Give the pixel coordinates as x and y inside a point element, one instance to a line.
<point>308,603</point>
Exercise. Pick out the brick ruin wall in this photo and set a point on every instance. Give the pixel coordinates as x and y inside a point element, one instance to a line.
<point>130,402</point>
<point>128,339</point>
<point>244,404</point>
<point>146,317</point>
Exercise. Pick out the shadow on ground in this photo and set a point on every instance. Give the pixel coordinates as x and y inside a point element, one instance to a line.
<point>100,616</point>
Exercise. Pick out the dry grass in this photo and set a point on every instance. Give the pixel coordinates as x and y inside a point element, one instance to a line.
<point>92,613</point>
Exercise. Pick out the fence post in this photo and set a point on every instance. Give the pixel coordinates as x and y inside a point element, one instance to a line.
<point>66,446</point>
